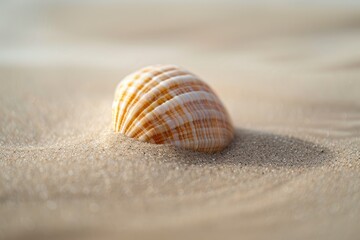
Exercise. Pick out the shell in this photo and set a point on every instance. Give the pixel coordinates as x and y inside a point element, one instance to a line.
<point>164,104</point>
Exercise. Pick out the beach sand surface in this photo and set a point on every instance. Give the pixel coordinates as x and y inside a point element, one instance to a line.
<point>289,77</point>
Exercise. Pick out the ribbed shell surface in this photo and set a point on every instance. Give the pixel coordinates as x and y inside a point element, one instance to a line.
<point>164,104</point>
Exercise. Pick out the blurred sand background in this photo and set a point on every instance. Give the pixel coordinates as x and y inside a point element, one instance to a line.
<point>289,75</point>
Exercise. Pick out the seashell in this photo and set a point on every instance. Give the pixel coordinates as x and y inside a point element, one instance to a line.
<point>164,104</point>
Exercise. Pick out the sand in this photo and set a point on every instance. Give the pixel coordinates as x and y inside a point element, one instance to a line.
<point>288,76</point>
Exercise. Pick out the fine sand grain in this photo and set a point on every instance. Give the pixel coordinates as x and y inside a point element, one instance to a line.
<point>289,78</point>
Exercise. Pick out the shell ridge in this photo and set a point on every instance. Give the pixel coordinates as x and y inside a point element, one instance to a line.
<point>144,99</point>
<point>198,117</point>
<point>178,100</point>
<point>191,110</point>
<point>116,105</point>
<point>209,97</point>
<point>123,92</point>
<point>146,76</point>
<point>216,138</point>
<point>153,83</point>
<point>171,93</point>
